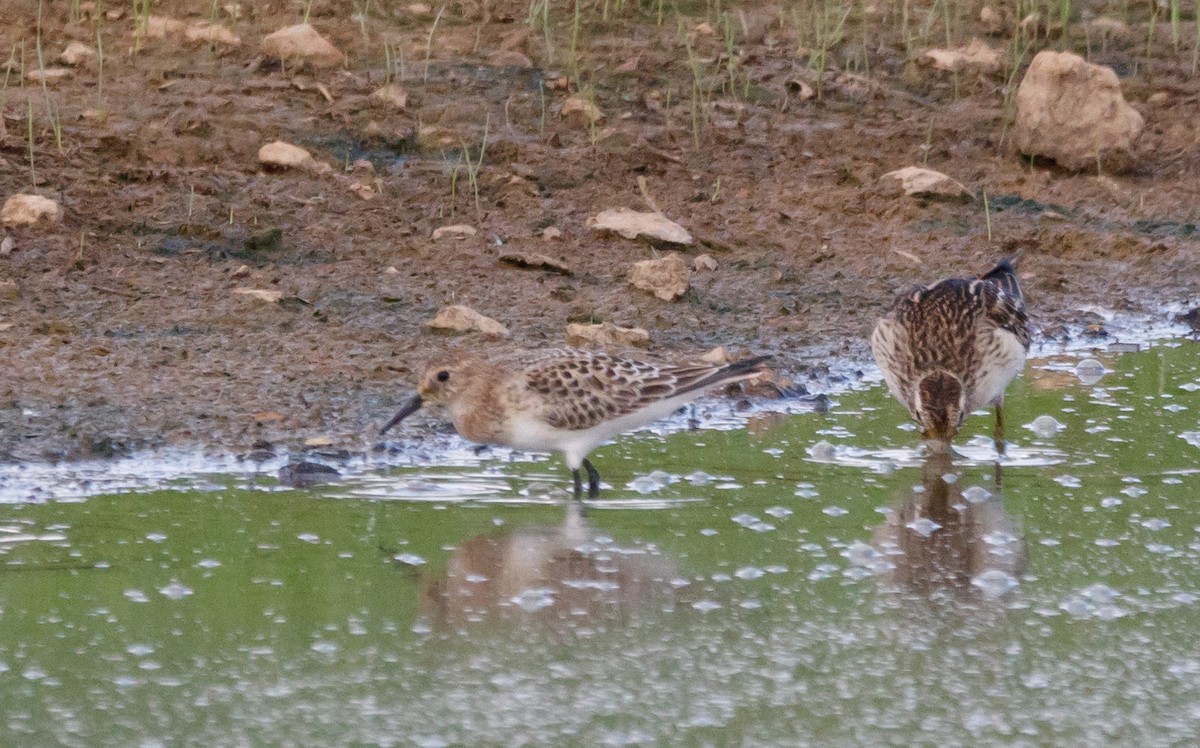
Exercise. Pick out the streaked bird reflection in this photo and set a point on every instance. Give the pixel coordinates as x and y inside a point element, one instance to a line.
<point>946,535</point>
<point>565,573</point>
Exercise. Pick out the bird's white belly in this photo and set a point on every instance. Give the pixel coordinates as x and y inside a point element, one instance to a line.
<point>532,433</point>
<point>1003,359</point>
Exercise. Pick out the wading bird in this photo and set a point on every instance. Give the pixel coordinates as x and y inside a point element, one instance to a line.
<point>952,347</point>
<point>563,400</point>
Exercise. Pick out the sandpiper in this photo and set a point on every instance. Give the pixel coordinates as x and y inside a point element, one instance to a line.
<point>562,400</point>
<point>952,347</point>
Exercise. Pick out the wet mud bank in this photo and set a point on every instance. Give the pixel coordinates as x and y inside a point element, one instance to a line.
<point>191,298</point>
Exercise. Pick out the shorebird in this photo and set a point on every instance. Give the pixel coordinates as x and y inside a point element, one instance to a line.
<point>562,400</point>
<point>952,347</point>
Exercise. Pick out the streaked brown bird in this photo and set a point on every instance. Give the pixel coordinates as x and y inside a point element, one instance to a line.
<point>952,347</point>
<point>562,400</point>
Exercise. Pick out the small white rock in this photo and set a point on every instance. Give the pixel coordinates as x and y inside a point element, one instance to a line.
<point>210,33</point>
<point>27,210</point>
<point>392,95</point>
<point>919,182</point>
<point>161,27</point>
<point>976,56</point>
<point>285,156</point>
<point>581,108</point>
<point>261,294</point>
<point>631,224</point>
<point>77,53</point>
<point>458,318</point>
<point>704,262</point>
<point>668,277</point>
<point>458,230</point>
<point>606,335</point>
<point>51,76</point>
<point>303,43</point>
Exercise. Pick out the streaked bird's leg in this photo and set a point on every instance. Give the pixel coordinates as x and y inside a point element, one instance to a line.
<point>998,437</point>
<point>593,480</point>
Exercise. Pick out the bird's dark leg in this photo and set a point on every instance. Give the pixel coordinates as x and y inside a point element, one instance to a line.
<point>999,435</point>
<point>578,484</point>
<point>593,480</point>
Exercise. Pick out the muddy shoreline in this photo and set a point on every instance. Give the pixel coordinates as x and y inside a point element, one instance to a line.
<point>121,329</point>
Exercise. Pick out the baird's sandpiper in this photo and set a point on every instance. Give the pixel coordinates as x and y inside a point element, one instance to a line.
<point>562,400</point>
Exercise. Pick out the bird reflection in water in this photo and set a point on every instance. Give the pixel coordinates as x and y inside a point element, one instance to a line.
<point>566,573</point>
<point>944,536</point>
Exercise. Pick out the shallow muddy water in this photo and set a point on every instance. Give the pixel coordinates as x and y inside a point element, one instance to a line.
<point>807,578</point>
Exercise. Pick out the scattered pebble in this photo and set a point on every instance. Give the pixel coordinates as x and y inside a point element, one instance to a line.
<point>28,210</point>
<point>458,318</point>
<point>927,183</point>
<point>975,57</point>
<point>458,231</point>
<point>392,95</point>
<point>77,54</point>
<point>302,43</point>
<point>668,277</point>
<point>607,335</point>
<point>285,156</point>
<point>632,224</point>
<point>581,109</point>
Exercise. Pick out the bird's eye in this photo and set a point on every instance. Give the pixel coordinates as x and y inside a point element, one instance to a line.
<point>443,375</point>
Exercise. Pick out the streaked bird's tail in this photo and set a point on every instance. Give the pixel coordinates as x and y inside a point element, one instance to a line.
<point>733,372</point>
<point>1004,275</point>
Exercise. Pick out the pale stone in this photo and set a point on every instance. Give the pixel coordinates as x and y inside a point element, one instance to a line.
<point>992,20</point>
<point>1109,27</point>
<point>363,190</point>
<point>1073,112</point>
<point>458,318</point>
<point>919,182</point>
<point>704,262</point>
<point>631,224</point>
<point>606,335</point>
<point>458,230</point>
<point>161,27</point>
<point>318,441</point>
<point>391,94</point>
<point>717,356</point>
<point>302,42</point>
<point>211,34</point>
<point>285,156</point>
<point>976,56</point>
<point>667,278</point>
<point>27,210</point>
<point>51,76</point>
<point>509,58</point>
<point>77,53</point>
<point>261,294</point>
<point>551,232</point>
<point>584,109</point>
<point>8,245</point>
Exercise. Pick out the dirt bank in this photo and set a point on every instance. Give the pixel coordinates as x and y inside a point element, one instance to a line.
<point>121,327</point>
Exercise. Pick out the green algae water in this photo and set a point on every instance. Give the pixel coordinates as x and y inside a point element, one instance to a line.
<point>785,578</point>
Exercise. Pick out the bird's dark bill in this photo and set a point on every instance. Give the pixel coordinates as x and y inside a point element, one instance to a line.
<point>410,407</point>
